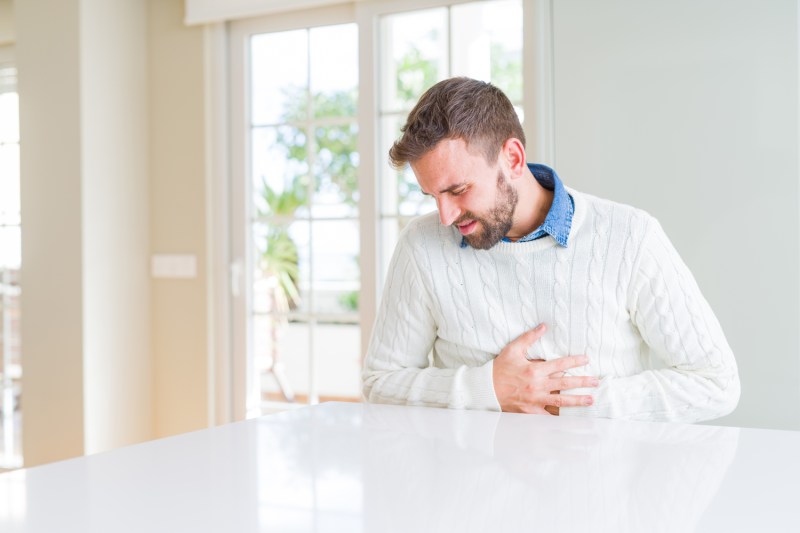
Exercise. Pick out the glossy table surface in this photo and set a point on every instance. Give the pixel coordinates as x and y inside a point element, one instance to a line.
<point>375,468</point>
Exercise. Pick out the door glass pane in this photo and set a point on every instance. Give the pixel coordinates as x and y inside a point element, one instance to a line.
<point>9,184</point>
<point>282,273</point>
<point>487,44</point>
<point>10,248</point>
<point>334,70</point>
<point>281,349</point>
<point>280,171</point>
<point>335,171</point>
<point>9,126</point>
<point>414,56</point>
<point>335,273</point>
<point>10,263</point>
<point>300,234</point>
<point>278,76</point>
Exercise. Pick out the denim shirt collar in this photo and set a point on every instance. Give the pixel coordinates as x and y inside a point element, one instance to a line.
<point>558,221</point>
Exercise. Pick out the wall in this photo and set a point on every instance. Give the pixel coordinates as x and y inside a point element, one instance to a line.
<point>690,110</point>
<point>85,301</point>
<point>113,170</point>
<point>52,281</point>
<point>177,219</point>
<point>6,22</point>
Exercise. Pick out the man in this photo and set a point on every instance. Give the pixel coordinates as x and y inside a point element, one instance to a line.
<point>529,296</point>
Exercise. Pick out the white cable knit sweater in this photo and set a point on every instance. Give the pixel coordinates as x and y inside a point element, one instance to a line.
<point>619,293</point>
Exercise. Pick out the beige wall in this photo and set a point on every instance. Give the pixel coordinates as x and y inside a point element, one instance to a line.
<point>52,281</point>
<point>112,163</point>
<point>177,221</point>
<point>6,22</point>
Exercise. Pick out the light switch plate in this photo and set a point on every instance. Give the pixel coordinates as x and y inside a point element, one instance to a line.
<point>173,266</point>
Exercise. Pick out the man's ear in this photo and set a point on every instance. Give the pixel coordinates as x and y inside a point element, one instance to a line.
<point>513,153</point>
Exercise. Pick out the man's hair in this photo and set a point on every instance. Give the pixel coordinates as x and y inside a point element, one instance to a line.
<point>458,108</point>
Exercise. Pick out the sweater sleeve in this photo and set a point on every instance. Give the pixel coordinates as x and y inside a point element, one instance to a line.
<point>397,368</point>
<point>696,376</point>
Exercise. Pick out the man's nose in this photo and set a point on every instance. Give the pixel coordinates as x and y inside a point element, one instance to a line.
<point>448,211</point>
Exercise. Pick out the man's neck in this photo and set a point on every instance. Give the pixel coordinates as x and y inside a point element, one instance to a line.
<point>532,208</point>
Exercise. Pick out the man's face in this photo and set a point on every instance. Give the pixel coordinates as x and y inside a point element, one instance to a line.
<point>471,194</point>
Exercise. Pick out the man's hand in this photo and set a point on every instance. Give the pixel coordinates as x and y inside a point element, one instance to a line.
<point>525,386</point>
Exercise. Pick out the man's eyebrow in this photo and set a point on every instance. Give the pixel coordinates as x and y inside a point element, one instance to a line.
<point>448,189</point>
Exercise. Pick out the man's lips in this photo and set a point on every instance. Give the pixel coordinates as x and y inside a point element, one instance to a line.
<point>467,227</point>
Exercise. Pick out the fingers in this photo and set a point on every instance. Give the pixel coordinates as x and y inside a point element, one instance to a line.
<point>563,400</point>
<point>564,363</point>
<point>525,340</point>
<point>572,382</point>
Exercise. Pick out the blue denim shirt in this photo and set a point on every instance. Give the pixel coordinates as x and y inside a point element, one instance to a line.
<point>558,221</point>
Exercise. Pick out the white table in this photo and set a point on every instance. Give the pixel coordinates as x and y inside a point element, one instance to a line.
<point>374,468</point>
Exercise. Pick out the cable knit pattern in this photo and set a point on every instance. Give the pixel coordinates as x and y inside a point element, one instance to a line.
<point>488,276</point>
<point>631,244</point>
<point>460,302</point>
<point>619,293</point>
<point>522,273</point>
<point>560,297</point>
<point>594,290</point>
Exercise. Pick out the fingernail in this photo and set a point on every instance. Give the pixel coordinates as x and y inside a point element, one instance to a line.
<point>595,382</point>
<point>588,400</point>
<point>585,359</point>
<point>540,327</point>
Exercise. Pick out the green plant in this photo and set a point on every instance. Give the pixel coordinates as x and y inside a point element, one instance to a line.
<point>349,300</point>
<point>280,258</point>
<point>280,262</point>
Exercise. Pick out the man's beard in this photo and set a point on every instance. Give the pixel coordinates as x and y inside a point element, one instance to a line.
<point>497,222</point>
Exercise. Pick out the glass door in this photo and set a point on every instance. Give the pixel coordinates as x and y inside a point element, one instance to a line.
<point>303,269</point>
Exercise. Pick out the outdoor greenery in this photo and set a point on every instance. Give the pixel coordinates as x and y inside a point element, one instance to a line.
<point>336,153</point>
<point>280,259</point>
<point>415,74</point>
<point>506,67</point>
